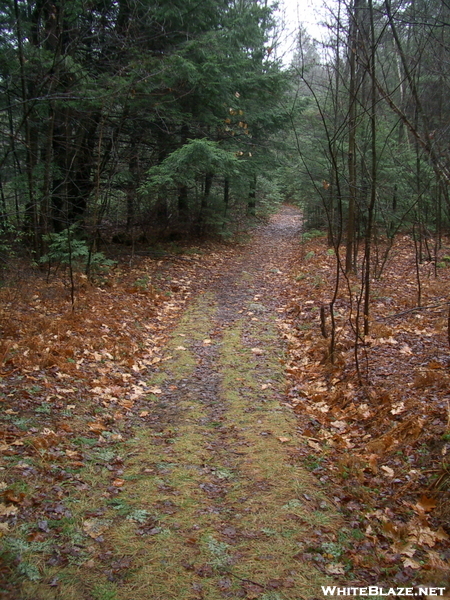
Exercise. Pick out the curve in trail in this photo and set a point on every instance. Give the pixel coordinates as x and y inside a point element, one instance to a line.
<point>218,506</point>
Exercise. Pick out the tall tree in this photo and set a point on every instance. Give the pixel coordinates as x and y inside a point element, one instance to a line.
<point>97,93</point>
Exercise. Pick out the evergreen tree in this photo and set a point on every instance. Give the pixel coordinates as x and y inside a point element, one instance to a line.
<point>98,93</point>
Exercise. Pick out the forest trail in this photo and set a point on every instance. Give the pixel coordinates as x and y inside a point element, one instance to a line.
<point>211,500</point>
<point>216,467</point>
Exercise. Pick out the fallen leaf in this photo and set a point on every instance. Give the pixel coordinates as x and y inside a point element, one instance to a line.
<point>441,535</point>
<point>315,445</point>
<point>425,505</point>
<point>118,482</point>
<point>402,547</point>
<point>424,535</point>
<point>4,528</point>
<point>283,440</point>
<point>97,427</point>
<point>23,465</point>
<point>74,454</point>
<point>90,564</point>
<point>409,562</point>
<point>6,511</point>
<point>390,529</point>
<point>335,569</point>
<point>387,471</point>
<point>339,424</point>
<point>398,408</point>
<point>94,528</point>
<point>126,403</point>
<point>257,351</point>
<point>155,390</point>
<point>373,460</point>
<point>13,497</point>
<point>436,562</point>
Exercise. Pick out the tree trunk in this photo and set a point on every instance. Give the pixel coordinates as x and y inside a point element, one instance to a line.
<point>31,213</point>
<point>373,190</point>
<point>183,205</point>
<point>353,48</point>
<point>251,206</point>
<point>226,195</point>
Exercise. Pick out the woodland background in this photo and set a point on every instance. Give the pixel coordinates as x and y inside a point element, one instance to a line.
<point>131,119</point>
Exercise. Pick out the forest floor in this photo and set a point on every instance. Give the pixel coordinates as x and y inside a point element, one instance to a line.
<point>181,434</point>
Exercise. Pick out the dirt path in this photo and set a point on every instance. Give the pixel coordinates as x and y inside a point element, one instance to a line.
<point>211,502</point>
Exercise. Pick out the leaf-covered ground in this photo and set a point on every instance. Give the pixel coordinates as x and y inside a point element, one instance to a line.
<point>182,435</point>
<point>381,435</point>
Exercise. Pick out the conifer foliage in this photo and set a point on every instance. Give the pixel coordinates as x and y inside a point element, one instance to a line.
<point>97,95</point>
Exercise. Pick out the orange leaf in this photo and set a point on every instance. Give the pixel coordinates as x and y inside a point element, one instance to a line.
<point>95,527</point>
<point>96,427</point>
<point>425,505</point>
<point>409,562</point>
<point>126,403</point>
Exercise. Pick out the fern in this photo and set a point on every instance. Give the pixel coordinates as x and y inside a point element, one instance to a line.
<point>29,571</point>
<point>138,515</point>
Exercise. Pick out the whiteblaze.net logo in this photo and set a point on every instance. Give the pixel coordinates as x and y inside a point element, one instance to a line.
<point>374,590</point>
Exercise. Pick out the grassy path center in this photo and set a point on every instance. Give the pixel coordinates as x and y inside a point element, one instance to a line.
<point>215,504</point>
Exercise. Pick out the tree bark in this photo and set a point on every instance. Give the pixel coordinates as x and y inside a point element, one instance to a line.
<point>353,48</point>
<point>251,206</point>
<point>373,190</point>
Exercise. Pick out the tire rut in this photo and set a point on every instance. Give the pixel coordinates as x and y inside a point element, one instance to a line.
<point>239,517</point>
<point>216,504</point>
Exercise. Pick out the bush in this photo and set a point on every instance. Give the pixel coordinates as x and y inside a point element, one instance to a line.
<point>311,234</point>
<point>64,249</point>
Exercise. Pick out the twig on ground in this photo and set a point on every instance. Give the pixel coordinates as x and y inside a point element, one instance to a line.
<point>245,580</point>
<point>416,308</point>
